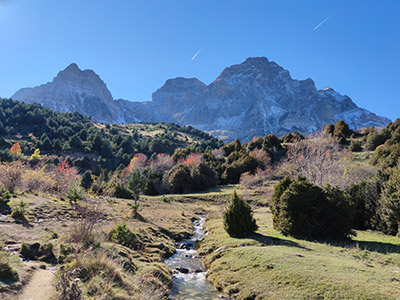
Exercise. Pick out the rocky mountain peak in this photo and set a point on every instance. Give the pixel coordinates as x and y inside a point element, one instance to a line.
<point>72,68</point>
<point>177,87</point>
<point>249,99</point>
<point>72,90</point>
<point>254,69</point>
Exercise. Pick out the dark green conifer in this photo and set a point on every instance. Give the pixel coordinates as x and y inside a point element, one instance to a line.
<point>238,218</point>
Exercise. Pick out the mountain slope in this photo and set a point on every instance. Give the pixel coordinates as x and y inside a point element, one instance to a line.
<point>249,99</point>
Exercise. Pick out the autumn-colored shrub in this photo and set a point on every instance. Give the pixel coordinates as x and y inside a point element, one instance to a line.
<point>138,161</point>
<point>161,163</point>
<point>37,180</point>
<point>11,175</point>
<point>261,157</point>
<point>16,149</point>
<point>248,180</point>
<point>193,160</point>
<point>64,175</point>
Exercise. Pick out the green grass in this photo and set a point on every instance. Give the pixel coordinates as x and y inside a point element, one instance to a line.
<point>269,265</point>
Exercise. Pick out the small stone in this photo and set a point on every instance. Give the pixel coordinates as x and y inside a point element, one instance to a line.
<point>182,270</point>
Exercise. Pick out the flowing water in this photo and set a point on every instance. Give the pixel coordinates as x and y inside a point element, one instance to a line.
<point>189,281</point>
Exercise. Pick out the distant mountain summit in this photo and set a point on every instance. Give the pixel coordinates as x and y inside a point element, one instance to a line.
<point>249,99</point>
<point>74,90</point>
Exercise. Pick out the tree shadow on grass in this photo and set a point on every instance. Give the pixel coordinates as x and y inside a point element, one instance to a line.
<point>380,247</point>
<point>273,241</point>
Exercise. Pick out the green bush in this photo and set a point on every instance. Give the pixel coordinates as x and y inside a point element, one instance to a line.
<point>365,199</point>
<point>375,139</point>
<point>389,208</point>
<point>355,146</point>
<point>304,210</point>
<point>5,197</point>
<point>179,179</point>
<point>166,199</point>
<point>329,129</point>
<point>87,180</point>
<point>341,130</point>
<point>122,235</point>
<point>74,192</point>
<point>238,218</point>
<point>7,273</point>
<point>20,211</point>
<point>120,191</point>
<point>203,177</point>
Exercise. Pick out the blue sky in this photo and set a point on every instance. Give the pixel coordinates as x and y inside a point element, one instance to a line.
<point>135,46</point>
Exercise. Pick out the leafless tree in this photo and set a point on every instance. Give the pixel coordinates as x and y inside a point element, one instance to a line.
<point>82,229</point>
<point>322,160</point>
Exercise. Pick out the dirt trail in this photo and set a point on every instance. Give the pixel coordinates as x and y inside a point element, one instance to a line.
<point>40,287</point>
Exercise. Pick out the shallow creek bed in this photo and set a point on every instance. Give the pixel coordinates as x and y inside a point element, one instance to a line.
<point>189,279</point>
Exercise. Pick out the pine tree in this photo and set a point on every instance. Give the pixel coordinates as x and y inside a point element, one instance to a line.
<point>238,218</point>
<point>136,184</point>
<point>87,180</point>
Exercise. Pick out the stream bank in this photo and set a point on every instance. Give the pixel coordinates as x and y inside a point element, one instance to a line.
<point>189,278</point>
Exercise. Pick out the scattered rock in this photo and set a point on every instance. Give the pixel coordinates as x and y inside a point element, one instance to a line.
<point>182,270</point>
<point>36,251</point>
<point>270,266</point>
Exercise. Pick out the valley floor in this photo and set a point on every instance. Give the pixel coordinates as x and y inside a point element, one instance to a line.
<point>266,265</point>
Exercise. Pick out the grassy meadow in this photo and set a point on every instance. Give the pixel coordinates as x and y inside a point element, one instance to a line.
<point>269,265</point>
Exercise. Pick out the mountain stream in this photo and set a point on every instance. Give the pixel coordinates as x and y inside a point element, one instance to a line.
<point>189,279</point>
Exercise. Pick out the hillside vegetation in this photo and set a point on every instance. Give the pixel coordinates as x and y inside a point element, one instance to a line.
<point>295,217</point>
<point>90,145</point>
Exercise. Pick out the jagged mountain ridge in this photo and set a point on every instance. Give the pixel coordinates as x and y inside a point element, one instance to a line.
<point>249,99</point>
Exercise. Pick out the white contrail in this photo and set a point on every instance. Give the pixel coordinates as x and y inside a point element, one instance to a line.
<point>197,53</point>
<point>320,24</point>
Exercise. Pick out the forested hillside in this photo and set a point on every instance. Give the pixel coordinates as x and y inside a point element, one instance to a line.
<point>88,144</point>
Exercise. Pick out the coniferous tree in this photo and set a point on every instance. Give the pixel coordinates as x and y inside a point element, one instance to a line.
<point>238,218</point>
<point>46,144</point>
<point>87,180</point>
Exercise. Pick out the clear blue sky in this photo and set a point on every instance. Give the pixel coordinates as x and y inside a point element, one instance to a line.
<point>136,45</point>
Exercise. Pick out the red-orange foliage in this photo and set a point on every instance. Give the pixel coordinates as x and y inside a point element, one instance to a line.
<point>16,149</point>
<point>138,161</point>
<point>193,160</point>
<point>65,174</point>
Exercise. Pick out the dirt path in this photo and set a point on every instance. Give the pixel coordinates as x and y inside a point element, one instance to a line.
<point>40,286</point>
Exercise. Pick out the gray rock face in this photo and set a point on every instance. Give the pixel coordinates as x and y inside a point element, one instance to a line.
<point>74,90</point>
<point>246,100</point>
